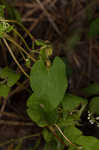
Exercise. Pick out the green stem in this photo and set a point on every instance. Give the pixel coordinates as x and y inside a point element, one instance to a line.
<point>18,34</point>
<point>21,25</point>
<point>17,45</point>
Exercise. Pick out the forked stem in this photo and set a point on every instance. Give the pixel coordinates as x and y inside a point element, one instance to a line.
<point>18,46</point>
<point>14,58</point>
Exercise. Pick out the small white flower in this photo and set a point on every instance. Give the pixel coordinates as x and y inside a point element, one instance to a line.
<point>91,121</point>
<point>97,118</point>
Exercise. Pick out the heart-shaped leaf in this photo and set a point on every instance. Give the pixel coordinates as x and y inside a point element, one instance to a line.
<point>49,83</point>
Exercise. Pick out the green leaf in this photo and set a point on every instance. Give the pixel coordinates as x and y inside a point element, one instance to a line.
<point>49,83</point>
<point>40,43</point>
<point>5,28</point>
<point>37,112</point>
<point>4,90</point>
<point>68,120</point>
<point>94,28</point>
<point>91,89</point>
<point>72,133</point>
<point>71,102</point>
<point>10,76</point>
<point>94,105</point>
<point>88,143</point>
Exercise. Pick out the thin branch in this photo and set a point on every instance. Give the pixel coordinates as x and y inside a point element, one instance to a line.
<point>49,17</point>
<point>16,123</point>
<point>10,51</point>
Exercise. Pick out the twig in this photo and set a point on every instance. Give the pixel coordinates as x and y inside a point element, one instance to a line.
<point>27,5</point>
<point>36,22</point>
<point>19,88</point>
<point>12,54</point>
<point>9,114</point>
<point>15,123</point>
<point>36,7</point>
<point>49,17</point>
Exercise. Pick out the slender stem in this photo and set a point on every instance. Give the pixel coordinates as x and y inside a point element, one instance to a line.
<point>17,33</point>
<point>21,25</point>
<point>54,133</point>
<point>65,137</point>
<point>16,44</point>
<point>10,51</point>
